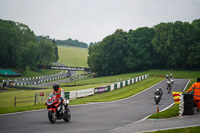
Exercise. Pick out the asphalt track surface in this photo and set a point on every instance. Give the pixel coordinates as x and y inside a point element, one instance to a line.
<point>94,117</point>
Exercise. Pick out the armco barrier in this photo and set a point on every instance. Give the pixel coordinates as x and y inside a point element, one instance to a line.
<point>118,85</point>
<point>108,88</point>
<point>112,87</point>
<point>99,90</point>
<point>115,86</point>
<point>72,95</point>
<point>67,95</point>
<point>84,93</point>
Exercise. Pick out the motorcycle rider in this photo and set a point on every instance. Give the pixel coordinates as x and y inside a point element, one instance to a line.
<point>171,75</point>
<point>196,88</point>
<point>59,92</point>
<point>166,76</point>
<point>157,96</point>
<point>157,92</point>
<point>161,92</point>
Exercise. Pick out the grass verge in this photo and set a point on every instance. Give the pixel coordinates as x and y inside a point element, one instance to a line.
<point>181,130</point>
<point>171,112</point>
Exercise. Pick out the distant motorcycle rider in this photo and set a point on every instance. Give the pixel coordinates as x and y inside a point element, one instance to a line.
<point>167,76</point>
<point>59,92</point>
<point>171,75</point>
<point>161,92</point>
<point>157,92</point>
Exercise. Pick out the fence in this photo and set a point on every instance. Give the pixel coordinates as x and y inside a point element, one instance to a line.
<point>39,97</point>
<point>15,101</point>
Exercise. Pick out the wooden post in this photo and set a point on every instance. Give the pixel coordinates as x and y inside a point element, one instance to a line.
<point>35,98</point>
<point>15,101</point>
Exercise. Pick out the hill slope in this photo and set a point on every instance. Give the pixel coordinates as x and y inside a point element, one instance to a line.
<point>72,56</point>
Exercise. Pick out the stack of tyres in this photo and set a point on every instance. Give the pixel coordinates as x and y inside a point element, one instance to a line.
<point>188,104</point>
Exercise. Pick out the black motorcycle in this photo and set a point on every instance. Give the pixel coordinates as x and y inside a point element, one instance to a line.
<point>158,95</point>
<point>157,98</point>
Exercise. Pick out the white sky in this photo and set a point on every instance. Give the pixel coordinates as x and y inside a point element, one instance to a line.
<point>92,20</point>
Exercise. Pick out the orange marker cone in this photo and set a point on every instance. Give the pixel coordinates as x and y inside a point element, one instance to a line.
<point>157,109</point>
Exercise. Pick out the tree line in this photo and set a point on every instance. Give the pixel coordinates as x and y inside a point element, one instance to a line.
<point>172,45</point>
<point>19,47</point>
<point>72,43</point>
<point>68,42</point>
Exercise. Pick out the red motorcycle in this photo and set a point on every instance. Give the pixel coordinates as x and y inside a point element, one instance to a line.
<point>56,110</point>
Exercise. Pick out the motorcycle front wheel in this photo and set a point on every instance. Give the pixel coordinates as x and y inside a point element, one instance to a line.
<point>68,116</point>
<point>157,102</point>
<point>52,116</point>
<point>169,89</point>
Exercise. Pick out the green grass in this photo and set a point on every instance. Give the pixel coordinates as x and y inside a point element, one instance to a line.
<point>171,112</point>
<point>106,79</point>
<point>5,110</point>
<point>42,72</point>
<point>71,56</point>
<point>181,130</point>
<point>176,74</point>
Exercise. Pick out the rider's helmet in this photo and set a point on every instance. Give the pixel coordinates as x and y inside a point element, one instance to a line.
<point>198,79</point>
<point>56,87</point>
<point>157,90</point>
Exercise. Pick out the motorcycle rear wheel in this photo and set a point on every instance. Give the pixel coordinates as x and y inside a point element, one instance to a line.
<point>68,116</point>
<point>52,116</point>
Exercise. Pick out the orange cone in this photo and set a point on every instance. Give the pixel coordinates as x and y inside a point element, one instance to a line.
<point>157,109</point>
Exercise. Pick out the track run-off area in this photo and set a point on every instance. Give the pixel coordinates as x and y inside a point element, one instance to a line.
<point>93,117</point>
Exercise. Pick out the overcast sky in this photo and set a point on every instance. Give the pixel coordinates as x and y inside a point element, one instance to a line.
<point>92,20</point>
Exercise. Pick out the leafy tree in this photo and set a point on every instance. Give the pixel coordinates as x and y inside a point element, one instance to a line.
<point>46,52</point>
<point>107,57</point>
<point>193,59</point>
<point>28,56</point>
<point>72,43</point>
<point>140,55</point>
<point>55,49</point>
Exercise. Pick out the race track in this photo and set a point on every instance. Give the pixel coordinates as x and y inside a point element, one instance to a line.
<point>93,118</point>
